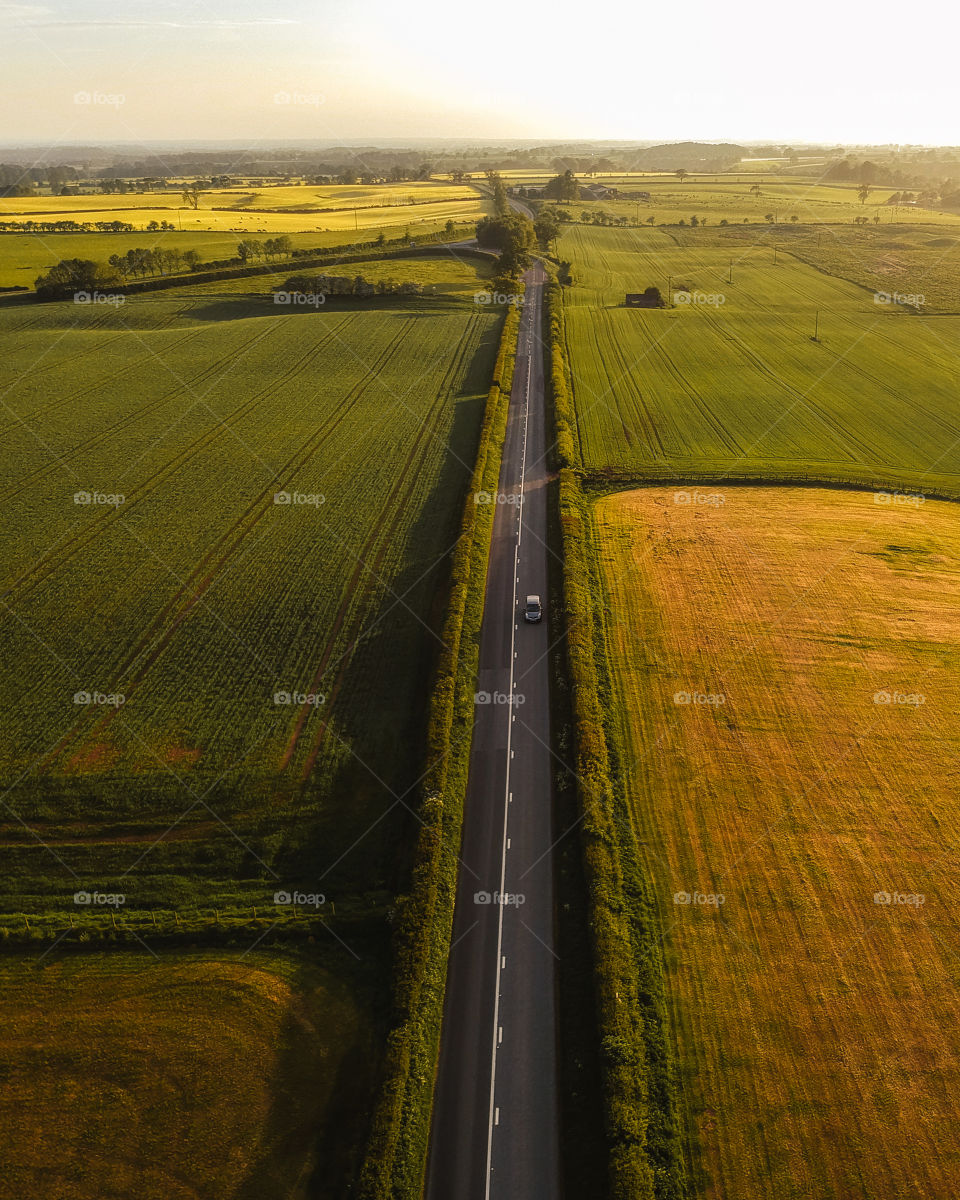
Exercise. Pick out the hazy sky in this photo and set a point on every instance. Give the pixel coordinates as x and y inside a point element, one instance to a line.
<point>135,70</point>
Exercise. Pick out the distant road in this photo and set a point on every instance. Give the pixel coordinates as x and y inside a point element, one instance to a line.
<point>495,1129</point>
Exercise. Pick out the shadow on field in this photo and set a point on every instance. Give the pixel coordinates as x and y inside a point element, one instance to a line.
<point>313,1140</point>
<point>245,306</point>
<point>362,837</point>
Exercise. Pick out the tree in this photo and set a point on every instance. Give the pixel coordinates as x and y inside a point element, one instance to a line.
<point>449,229</point>
<point>863,191</point>
<point>192,259</point>
<point>546,227</point>
<point>72,275</point>
<point>562,187</point>
<point>681,174</point>
<point>755,190</point>
<point>513,235</point>
<point>191,195</point>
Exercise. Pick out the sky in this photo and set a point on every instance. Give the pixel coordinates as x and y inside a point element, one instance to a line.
<point>826,71</point>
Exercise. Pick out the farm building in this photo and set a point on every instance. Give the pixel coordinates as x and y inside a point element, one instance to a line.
<point>650,298</point>
<point>597,191</point>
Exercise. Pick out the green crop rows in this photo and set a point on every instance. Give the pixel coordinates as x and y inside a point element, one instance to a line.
<point>192,593</point>
<point>738,387</point>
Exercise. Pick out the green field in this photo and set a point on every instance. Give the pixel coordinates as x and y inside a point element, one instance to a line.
<point>179,1077</point>
<point>731,198</point>
<point>445,275</point>
<point>739,387</point>
<point>200,599</point>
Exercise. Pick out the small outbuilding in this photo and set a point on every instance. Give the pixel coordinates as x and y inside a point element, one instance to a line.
<point>650,298</point>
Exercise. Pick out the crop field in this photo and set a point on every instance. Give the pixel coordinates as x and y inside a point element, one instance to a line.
<point>195,1075</point>
<point>225,528</point>
<point>449,275</point>
<point>268,210</point>
<point>786,692</point>
<point>730,381</point>
<point>730,198</point>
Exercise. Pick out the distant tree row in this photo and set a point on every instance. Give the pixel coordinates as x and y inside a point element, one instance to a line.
<point>68,226</point>
<point>357,285</point>
<point>157,260</point>
<point>276,247</point>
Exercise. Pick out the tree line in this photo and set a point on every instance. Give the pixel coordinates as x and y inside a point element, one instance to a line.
<point>357,285</point>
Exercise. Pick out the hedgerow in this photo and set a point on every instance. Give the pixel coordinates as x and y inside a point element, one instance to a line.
<point>397,1148</point>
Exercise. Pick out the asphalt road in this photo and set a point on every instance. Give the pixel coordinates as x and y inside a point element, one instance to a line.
<point>495,1129</point>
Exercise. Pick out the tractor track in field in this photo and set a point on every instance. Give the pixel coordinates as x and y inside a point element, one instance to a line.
<point>104,435</point>
<point>51,561</point>
<point>73,397</point>
<point>154,640</point>
<point>404,474</point>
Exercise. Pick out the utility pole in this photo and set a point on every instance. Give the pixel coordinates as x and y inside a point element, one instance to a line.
<point>730,273</point>
<point>816,327</point>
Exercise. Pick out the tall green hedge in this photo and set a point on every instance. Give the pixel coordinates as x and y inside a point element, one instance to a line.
<point>396,1155</point>
<point>639,1086</point>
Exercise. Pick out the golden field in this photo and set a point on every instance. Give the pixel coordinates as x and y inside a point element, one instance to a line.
<point>784,666</point>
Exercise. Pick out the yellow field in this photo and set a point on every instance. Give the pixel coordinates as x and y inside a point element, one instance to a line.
<point>785,664</point>
<point>244,210</point>
<point>175,1079</point>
